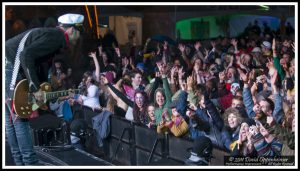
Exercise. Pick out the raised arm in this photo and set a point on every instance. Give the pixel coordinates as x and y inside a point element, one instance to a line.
<point>97,66</point>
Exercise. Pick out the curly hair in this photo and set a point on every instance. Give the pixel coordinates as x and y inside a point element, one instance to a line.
<point>233,111</point>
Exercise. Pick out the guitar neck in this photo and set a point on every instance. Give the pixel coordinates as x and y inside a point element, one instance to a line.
<point>57,94</point>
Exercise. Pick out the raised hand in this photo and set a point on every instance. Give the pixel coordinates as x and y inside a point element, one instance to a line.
<point>192,106</point>
<point>180,73</point>
<point>190,83</point>
<point>104,80</point>
<point>253,130</point>
<point>274,77</point>
<point>189,113</point>
<point>243,76</point>
<point>213,44</point>
<point>165,45</point>
<point>100,50</point>
<point>270,120</point>
<point>197,45</point>
<point>117,50</point>
<point>274,45</point>
<point>92,54</point>
<point>273,80</point>
<point>222,76</point>
<point>173,71</point>
<point>206,52</point>
<point>160,67</point>
<point>148,40</point>
<point>131,63</point>
<point>270,64</point>
<point>234,42</point>
<point>254,88</point>
<point>157,74</point>
<point>126,61</point>
<point>181,47</point>
<point>183,86</point>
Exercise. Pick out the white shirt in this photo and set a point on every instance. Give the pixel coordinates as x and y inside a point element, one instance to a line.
<point>129,114</point>
<point>92,98</point>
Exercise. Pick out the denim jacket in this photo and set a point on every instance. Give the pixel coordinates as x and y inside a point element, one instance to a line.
<point>277,113</point>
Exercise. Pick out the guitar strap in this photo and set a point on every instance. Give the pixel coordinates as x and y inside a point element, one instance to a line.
<point>17,62</point>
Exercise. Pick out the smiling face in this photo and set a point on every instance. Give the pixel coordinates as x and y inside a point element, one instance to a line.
<point>160,99</point>
<point>150,111</point>
<point>201,101</point>
<point>232,120</point>
<point>247,60</point>
<point>88,80</point>
<point>230,73</point>
<point>236,103</point>
<point>257,109</point>
<point>137,79</point>
<point>265,107</point>
<point>139,100</point>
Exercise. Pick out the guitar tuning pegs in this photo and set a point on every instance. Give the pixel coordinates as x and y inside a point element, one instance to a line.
<point>23,113</point>
<point>28,113</point>
<point>27,107</point>
<point>22,108</point>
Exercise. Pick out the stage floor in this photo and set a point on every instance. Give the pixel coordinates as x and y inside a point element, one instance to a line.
<point>60,156</point>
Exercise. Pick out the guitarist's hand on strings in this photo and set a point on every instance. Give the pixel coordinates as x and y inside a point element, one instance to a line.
<point>39,96</point>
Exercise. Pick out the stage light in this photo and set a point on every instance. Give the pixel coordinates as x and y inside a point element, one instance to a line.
<point>264,7</point>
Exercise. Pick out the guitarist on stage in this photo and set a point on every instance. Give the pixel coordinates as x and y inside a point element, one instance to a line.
<point>26,48</point>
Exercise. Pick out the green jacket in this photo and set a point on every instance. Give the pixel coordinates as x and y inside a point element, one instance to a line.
<point>279,68</point>
<point>168,95</point>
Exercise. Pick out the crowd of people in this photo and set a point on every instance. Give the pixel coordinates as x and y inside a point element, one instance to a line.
<point>238,92</point>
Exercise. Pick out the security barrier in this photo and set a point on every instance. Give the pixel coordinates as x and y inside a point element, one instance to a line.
<point>133,144</point>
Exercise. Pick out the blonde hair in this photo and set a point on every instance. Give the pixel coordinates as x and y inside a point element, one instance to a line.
<point>111,102</point>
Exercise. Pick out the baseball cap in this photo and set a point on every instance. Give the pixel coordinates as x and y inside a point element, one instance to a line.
<point>266,44</point>
<point>71,20</point>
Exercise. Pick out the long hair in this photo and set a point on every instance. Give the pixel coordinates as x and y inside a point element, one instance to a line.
<point>84,88</point>
<point>111,103</point>
<point>62,66</point>
<point>161,90</point>
<point>140,114</point>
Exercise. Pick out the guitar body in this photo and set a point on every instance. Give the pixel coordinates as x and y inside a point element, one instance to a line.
<point>24,104</point>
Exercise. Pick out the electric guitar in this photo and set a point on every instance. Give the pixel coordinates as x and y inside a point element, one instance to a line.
<point>25,103</point>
